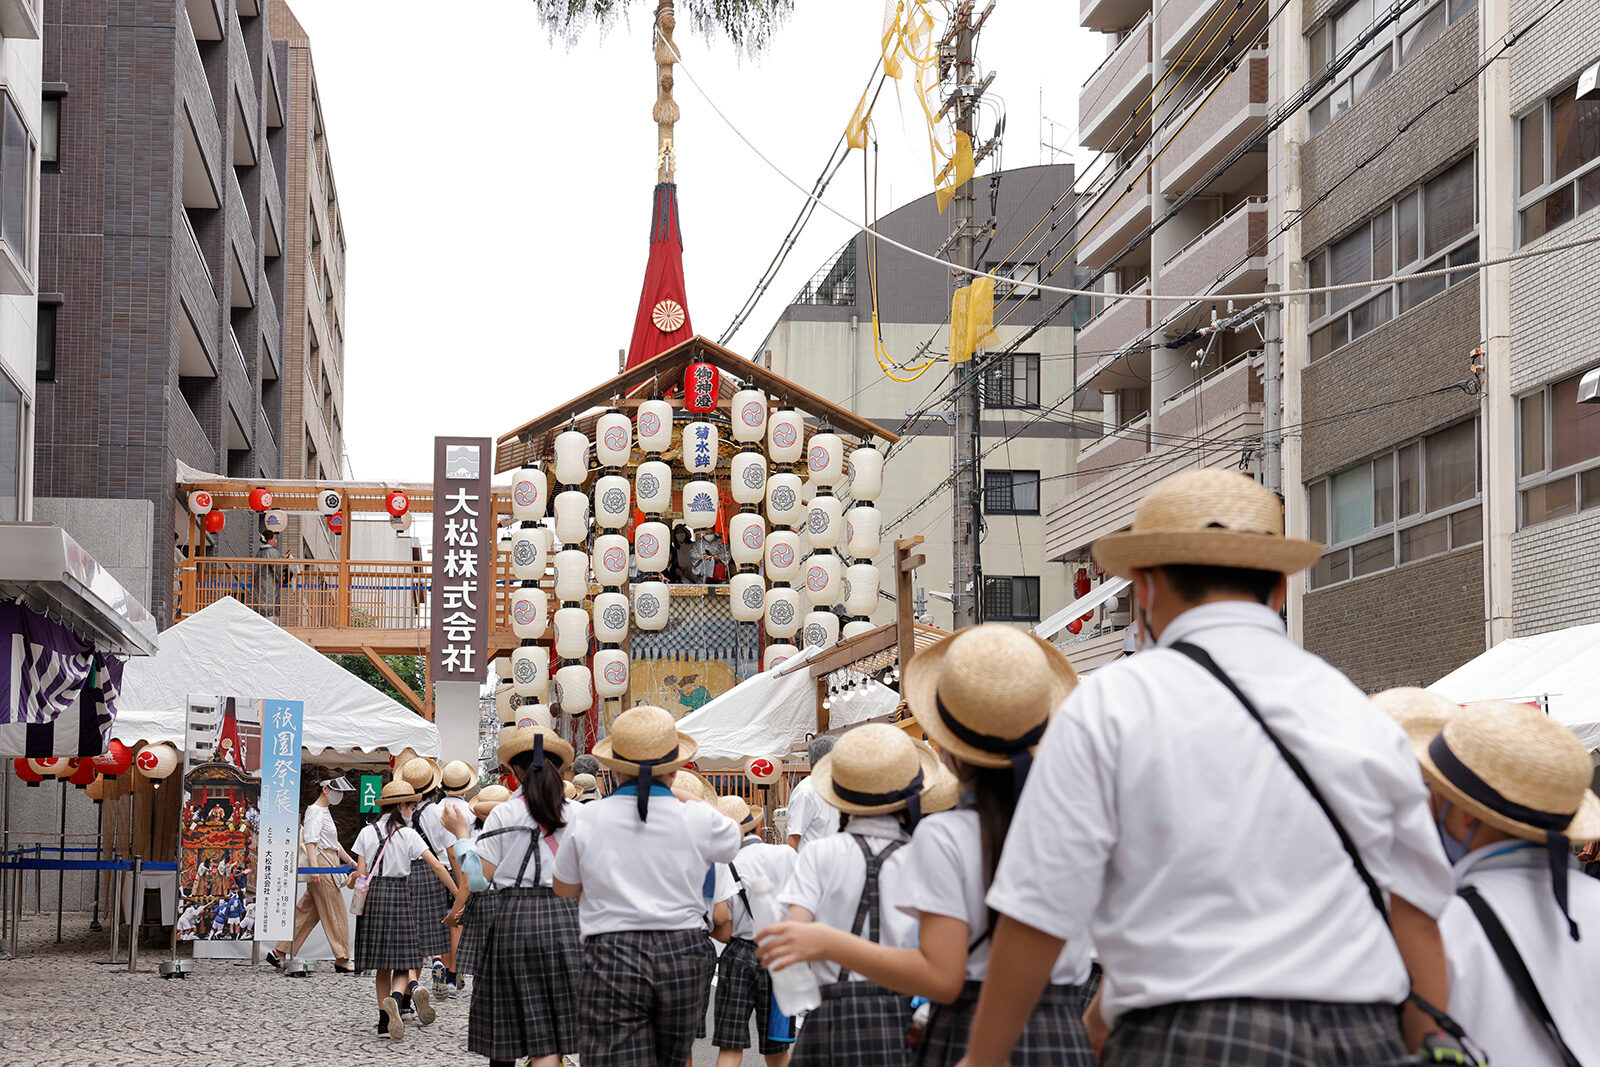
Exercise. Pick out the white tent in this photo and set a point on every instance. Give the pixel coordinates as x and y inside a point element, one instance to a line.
<point>771,714</point>
<point>229,649</point>
<point>1561,667</point>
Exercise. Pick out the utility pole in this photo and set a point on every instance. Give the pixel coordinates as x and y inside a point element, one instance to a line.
<point>1272,399</point>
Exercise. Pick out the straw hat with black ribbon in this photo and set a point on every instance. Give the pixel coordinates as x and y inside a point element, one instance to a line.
<point>398,791</point>
<point>422,773</point>
<point>569,791</point>
<point>488,798</point>
<point>1517,769</point>
<point>644,743</point>
<point>588,787</point>
<point>944,795</point>
<point>1213,518</point>
<point>542,741</point>
<point>876,769</point>
<point>1421,714</point>
<point>687,785</point>
<point>986,694</point>
<point>739,810</point>
<point>458,778</point>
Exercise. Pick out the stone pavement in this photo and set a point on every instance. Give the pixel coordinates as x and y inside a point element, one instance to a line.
<point>61,1008</point>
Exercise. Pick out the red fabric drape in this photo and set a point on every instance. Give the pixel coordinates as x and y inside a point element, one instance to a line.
<point>664,288</point>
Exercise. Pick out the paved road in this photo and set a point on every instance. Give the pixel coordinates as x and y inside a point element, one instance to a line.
<point>60,1008</point>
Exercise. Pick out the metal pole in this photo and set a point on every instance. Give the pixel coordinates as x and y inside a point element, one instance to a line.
<point>6,888</point>
<point>16,909</point>
<point>116,915</point>
<point>965,593</point>
<point>1272,401</point>
<point>61,875</point>
<point>136,914</point>
<point>99,849</point>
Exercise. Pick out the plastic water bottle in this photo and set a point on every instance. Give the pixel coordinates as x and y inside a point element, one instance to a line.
<point>796,985</point>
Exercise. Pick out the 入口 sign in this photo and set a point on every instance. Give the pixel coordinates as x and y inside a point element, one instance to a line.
<point>371,787</point>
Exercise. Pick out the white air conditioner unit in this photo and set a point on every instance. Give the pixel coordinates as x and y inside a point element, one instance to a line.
<point>1589,388</point>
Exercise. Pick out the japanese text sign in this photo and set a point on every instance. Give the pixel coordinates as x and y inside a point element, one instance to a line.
<point>463,578</point>
<point>279,845</point>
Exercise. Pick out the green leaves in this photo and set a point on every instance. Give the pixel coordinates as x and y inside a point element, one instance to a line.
<point>748,24</point>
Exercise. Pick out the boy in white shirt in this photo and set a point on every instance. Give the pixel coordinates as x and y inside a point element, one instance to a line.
<point>810,817</point>
<point>743,985</point>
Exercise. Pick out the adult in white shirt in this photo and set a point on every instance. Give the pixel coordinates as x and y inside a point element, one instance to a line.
<point>321,902</point>
<point>636,862</point>
<point>1161,823</point>
<point>1511,796</point>
<point>810,817</point>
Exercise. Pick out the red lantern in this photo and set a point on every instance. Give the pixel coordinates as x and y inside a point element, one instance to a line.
<point>260,500</point>
<point>215,521</point>
<point>1081,585</point>
<point>336,523</point>
<point>84,774</point>
<point>701,382</point>
<point>1075,626</point>
<point>117,758</point>
<point>397,503</point>
<point>510,782</point>
<point>25,772</point>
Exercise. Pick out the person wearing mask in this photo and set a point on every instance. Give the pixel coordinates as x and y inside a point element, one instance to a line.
<point>810,818</point>
<point>1171,820</point>
<point>321,902</point>
<point>386,929</point>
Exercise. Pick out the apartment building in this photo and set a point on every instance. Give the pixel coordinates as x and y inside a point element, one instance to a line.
<point>823,340</point>
<point>24,141</point>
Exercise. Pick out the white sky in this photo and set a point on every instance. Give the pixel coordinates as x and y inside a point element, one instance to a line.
<point>496,189</point>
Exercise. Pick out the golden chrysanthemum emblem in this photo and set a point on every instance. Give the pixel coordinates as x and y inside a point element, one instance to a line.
<point>668,316</point>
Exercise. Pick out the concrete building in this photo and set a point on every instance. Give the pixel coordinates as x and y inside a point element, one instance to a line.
<point>23,141</point>
<point>824,341</point>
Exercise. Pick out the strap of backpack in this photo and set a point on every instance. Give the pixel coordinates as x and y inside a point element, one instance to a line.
<point>1517,970</point>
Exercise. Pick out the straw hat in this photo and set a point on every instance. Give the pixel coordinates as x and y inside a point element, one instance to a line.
<point>944,795</point>
<point>487,799</point>
<point>569,790</point>
<point>645,739</point>
<point>407,754</point>
<point>517,740</point>
<point>1212,518</point>
<point>988,692</point>
<point>398,791</point>
<point>422,773</point>
<point>1511,764</point>
<point>739,810</point>
<point>458,777</point>
<point>875,769</point>
<point>1421,714</point>
<point>588,787</point>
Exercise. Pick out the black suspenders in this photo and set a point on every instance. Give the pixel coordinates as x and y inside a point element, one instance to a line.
<point>869,913</point>
<point>532,855</point>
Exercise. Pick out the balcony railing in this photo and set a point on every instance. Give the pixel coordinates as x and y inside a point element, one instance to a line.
<point>1227,114</point>
<point>1111,16</point>
<point>1114,89</point>
<point>1224,257</point>
<point>1181,22</point>
<point>1115,217</point>
<point>1119,324</point>
<point>1216,397</point>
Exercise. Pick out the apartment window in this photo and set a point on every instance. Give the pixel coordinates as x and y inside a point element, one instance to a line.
<point>1011,492</point>
<point>50,132</point>
<point>1391,47</point>
<point>1416,501</point>
<point>45,354</point>
<point>1012,382</point>
<point>1020,272</point>
<point>1558,147</point>
<point>1010,598</point>
<point>16,181</point>
<point>1432,227</point>
<point>1558,453</point>
<point>13,412</point>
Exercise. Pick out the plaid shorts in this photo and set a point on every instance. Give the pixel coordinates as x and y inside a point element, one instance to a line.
<point>523,995</point>
<point>642,995</point>
<point>859,1024</point>
<point>475,919</point>
<point>1257,1033</point>
<point>1054,1037</point>
<point>743,986</point>
<point>432,902</point>
<point>386,929</point>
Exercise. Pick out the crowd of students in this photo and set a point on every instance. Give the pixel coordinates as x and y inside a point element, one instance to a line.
<point>1216,851</point>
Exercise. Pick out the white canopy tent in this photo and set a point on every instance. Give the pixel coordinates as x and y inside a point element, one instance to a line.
<point>1561,668</point>
<point>227,648</point>
<point>771,714</point>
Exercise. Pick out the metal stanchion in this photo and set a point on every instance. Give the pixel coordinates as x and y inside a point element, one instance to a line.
<point>137,914</point>
<point>16,909</point>
<point>99,850</point>
<point>61,875</point>
<point>116,915</point>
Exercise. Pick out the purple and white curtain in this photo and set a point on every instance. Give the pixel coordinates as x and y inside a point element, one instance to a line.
<point>57,694</point>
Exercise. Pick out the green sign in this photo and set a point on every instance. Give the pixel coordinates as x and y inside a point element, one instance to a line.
<point>371,786</point>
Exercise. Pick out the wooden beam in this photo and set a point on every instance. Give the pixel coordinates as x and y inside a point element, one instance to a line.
<point>393,678</point>
<point>858,647</point>
<point>905,571</point>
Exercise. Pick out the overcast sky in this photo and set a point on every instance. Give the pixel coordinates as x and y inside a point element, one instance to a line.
<point>496,189</point>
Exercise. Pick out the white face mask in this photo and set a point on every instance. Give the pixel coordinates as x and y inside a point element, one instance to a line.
<point>334,797</point>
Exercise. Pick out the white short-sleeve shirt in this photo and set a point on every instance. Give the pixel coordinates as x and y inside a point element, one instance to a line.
<point>643,875</point>
<point>831,874</point>
<point>317,829</point>
<point>434,832</point>
<point>1160,821</point>
<point>402,849</point>
<point>771,864</point>
<point>508,850</point>
<point>811,817</point>
<point>946,878</point>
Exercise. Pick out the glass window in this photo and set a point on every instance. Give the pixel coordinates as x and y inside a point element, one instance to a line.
<point>1589,488</point>
<point>1531,434</point>
<point>1424,539</point>
<point>1011,492</point>
<point>1531,151</point>
<point>11,416</point>
<point>1352,503</point>
<point>1551,500</point>
<point>1010,599</point>
<point>1316,278</point>
<point>1447,207</point>
<point>1409,481</point>
<point>1466,527</point>
<point>1317,511</point>
<point>1372,556</point>
<point>1554,210</point>
<point>1369,316</point>
<point>1406,231</point>
<point>16,179</point>
<point>1451,466</point>
<point>45,356</point>
<point>1461,7</point>
<point>1383,245</point>
<point>1350,261</point>
<point>1373,74</point>
<point>1349,24</point>
<point>1422,34</point>
<point>1464,256</point>
<point>1574,427</point>
<point>50,131</point>
<point>1319,49</point>
<point>1574,132</point>
<point>1012,382</point>
<point>1383,490</point>
<point>1414,293</point>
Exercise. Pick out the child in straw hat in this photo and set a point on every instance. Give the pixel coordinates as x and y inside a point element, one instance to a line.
<point>1511,797</point>
<point>425,775</point>
<point>636,862</point>
<point>1163,824</point>
<point>985,697</point>
<point>386,930</point>
<point>470,914</point>
<point>456,779</point>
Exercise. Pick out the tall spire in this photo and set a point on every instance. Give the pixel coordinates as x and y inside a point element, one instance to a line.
<point>666,109</point>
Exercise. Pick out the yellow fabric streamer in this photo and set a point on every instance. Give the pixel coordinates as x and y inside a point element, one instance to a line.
<point>971,319</point>
<point>962,165</point>
<point>855,134</point>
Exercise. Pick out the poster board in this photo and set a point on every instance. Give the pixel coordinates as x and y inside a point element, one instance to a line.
<point>219,820</point>
<point>279,844</point>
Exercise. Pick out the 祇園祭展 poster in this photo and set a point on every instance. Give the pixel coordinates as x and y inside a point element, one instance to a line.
<point>280,819</point>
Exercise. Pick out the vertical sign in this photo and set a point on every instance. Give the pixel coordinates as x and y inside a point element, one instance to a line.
<point>279,847</point>
<point>371,788</point>
<point>463,583</point>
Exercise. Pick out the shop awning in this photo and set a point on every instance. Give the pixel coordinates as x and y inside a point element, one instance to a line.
<point>51,573</point>
<point>1560,669</point>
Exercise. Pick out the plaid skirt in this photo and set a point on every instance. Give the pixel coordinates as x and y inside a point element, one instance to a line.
<point>523,994</point>
<point>1054,1037</point>
<point>1257,1033</point>
<point>432,903</point>
<point>386,929</point>
<point>475,919</point>
<point>859,1024</point>
<point>743,986</point>
<point>641,996</point>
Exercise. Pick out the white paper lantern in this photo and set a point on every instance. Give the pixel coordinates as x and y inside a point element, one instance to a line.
<point>329,501</point>
<point>530,671</point>
<point>786,434</point>
<point>275,521</point>
<point>651,601</point>
<point>747,416</point>
<point>654,423</point>
<point>574,691</point>
<point>572,633</point>
<point>863,531</point>
<point>824,576</point>
<point>700,448</point>
<point>156,762</point>
<point>572,574</point>
<point>530,495</point>
<point>747,477</point>
<point>866,473</point>
<point>699,505</point>
<point>856,629</point>
<point>861,589</point>
<point>777,654</point>
<point>782,612</point>
<point>572,457</point>
<point>572,517</point>
<point>783,556</point>
<point>200,504</point>
<point>652,487</point>
<point>610,560</point>
<point>530,612</point>
<point>747,537</point>
<point>533,715</point>
<point>610,617</point>
<point>825,521</point>
<point>611,672</point>
<point>652,547</point>
<point>530,550</point>
<point>613,439</point>
<point>783,500</point>
<point>825,458</point>
<point>747,596</point>
<point>613,502</point>
<point>502,668</point>
<point>821,630</point>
